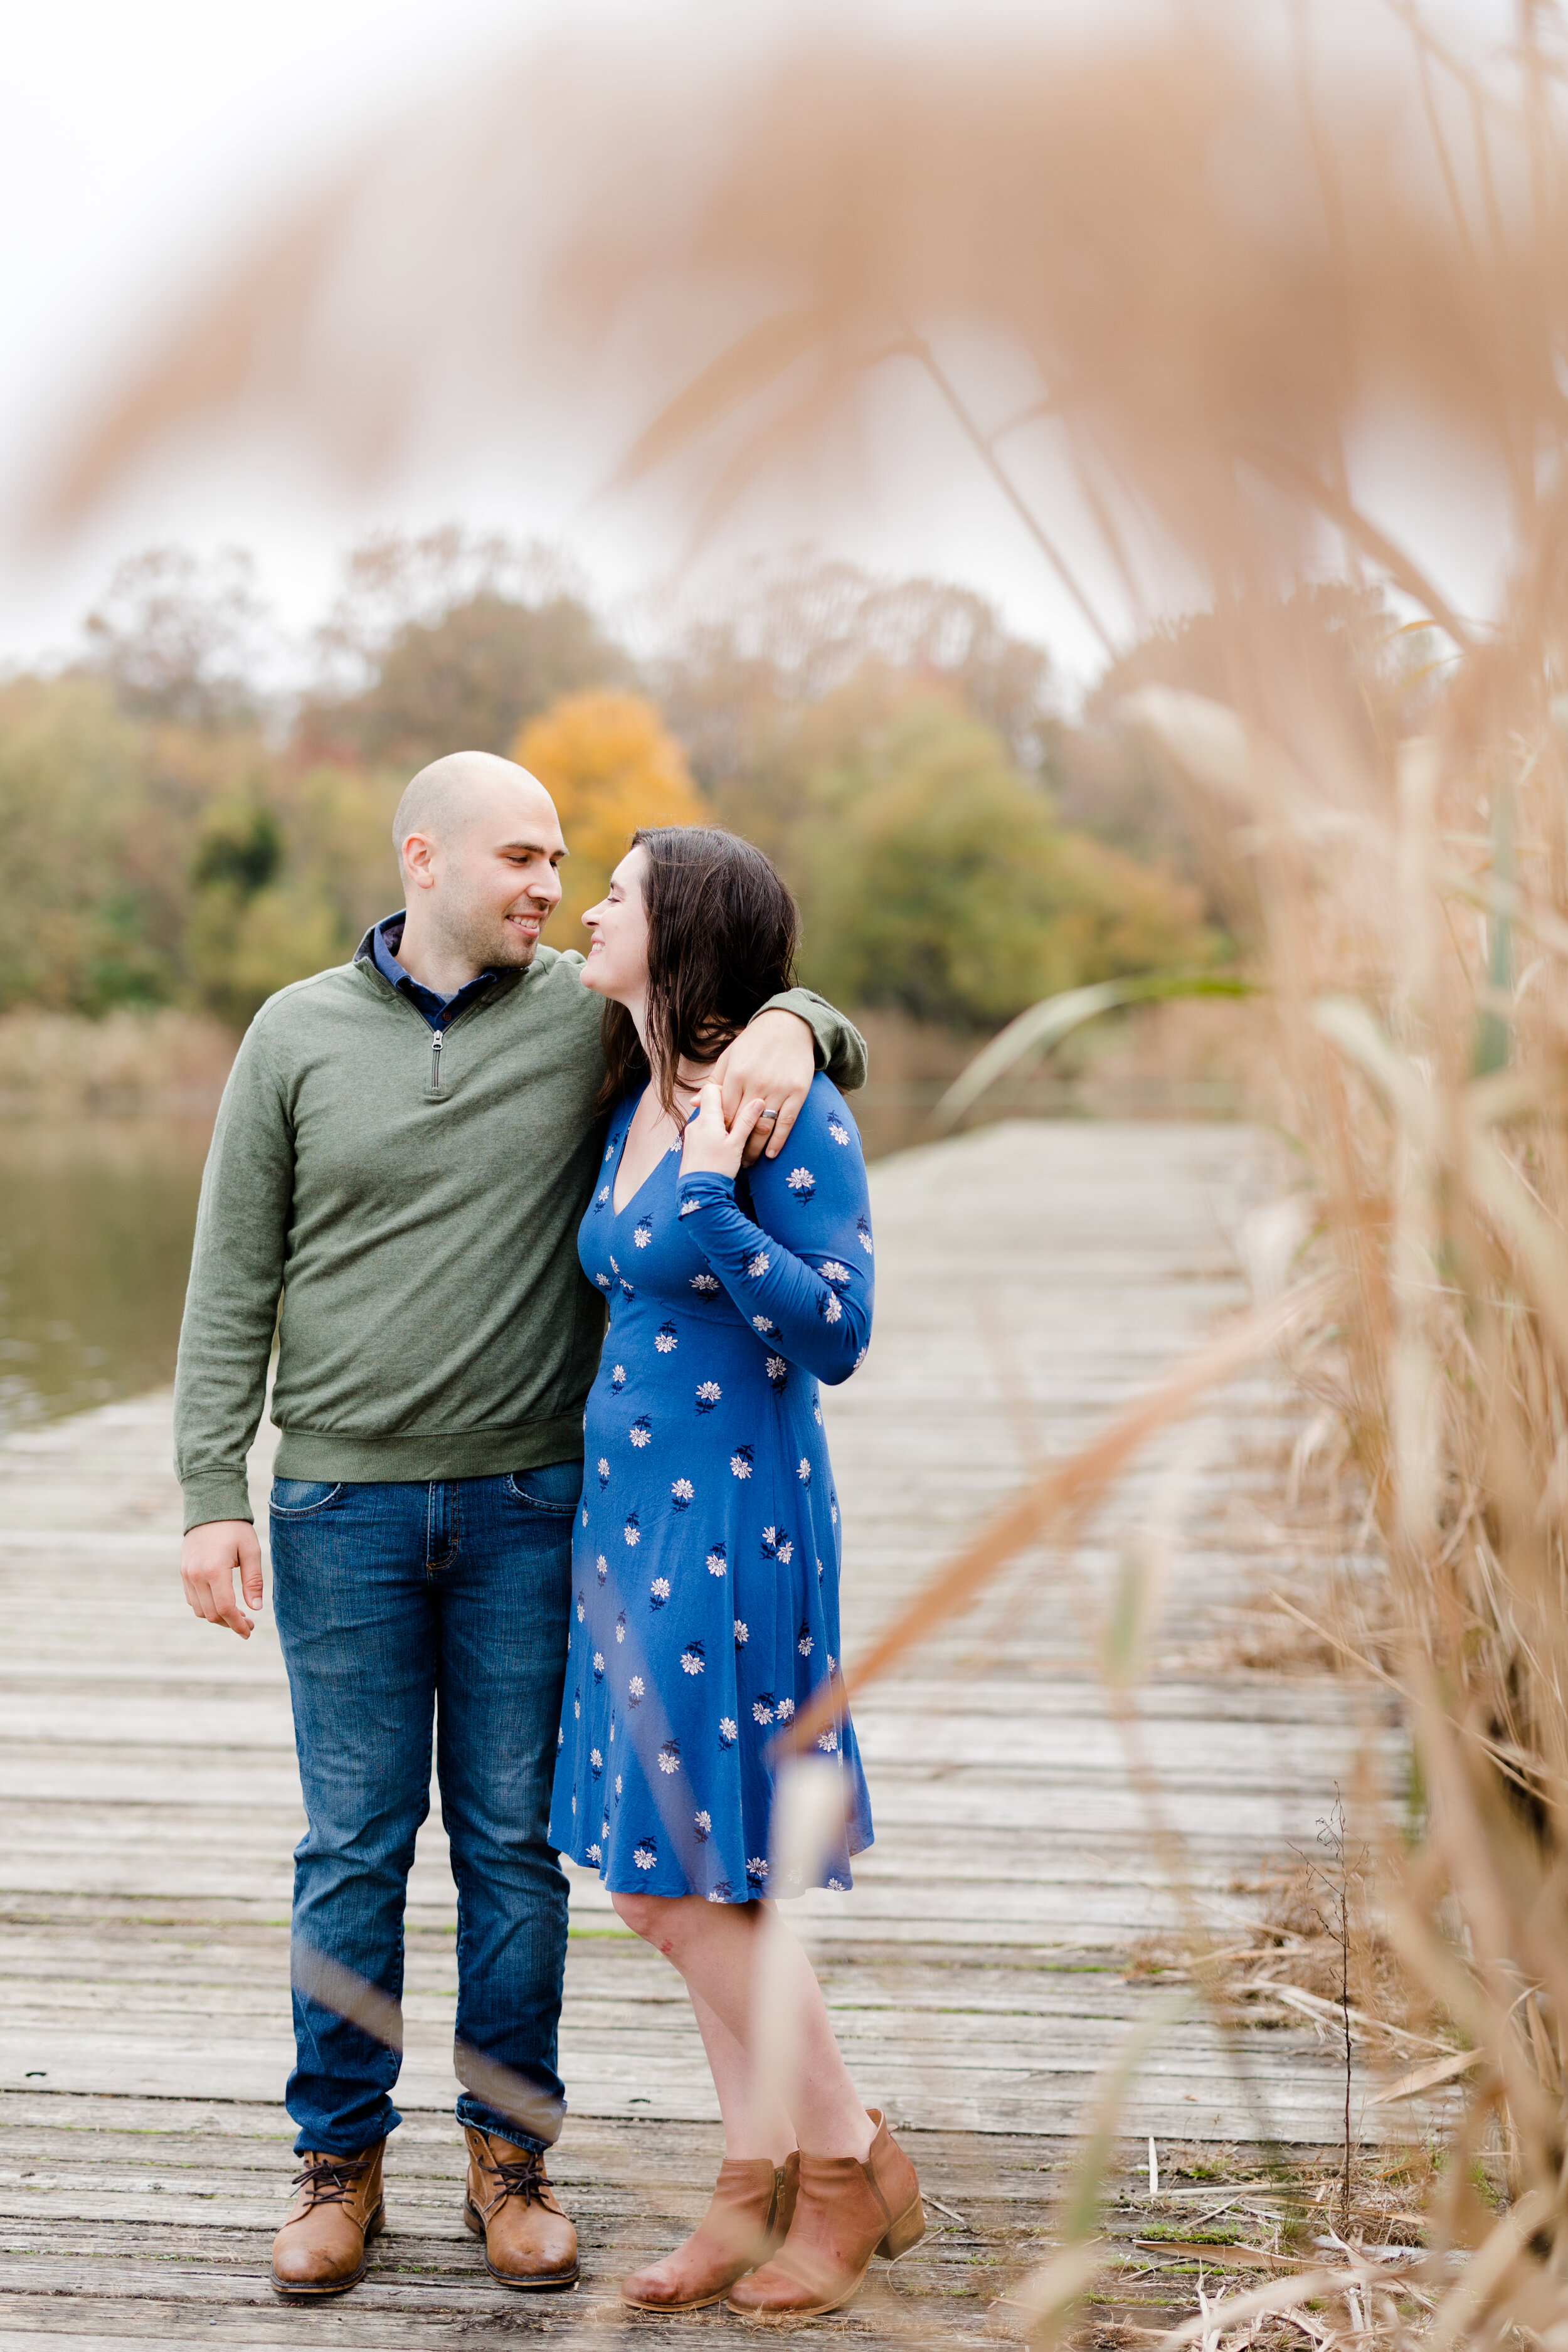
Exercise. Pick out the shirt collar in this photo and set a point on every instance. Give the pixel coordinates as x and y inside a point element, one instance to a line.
<point>380,946</point>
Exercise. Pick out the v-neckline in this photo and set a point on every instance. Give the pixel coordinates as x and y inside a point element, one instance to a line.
<point>647,1179</point>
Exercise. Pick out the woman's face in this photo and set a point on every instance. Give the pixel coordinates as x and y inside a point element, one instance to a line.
<point>617,930</point>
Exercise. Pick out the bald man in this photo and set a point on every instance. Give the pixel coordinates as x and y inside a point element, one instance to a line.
<point>404,1149</point>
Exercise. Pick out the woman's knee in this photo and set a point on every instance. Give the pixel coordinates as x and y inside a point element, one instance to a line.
<point>641,1913</point>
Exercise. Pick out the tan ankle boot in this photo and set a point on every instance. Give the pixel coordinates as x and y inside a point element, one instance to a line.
<point>846,2212</point>
<point>751,2210</point>
<point>529,2241</point>
<point>319,2250</point>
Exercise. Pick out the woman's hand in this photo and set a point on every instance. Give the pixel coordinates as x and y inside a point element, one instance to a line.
<point>774,1056</point>
<point>708,1144</point>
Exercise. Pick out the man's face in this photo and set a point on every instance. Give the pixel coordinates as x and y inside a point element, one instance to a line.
<point>494,880</point>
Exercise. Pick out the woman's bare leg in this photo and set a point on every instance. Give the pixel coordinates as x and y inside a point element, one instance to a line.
<point>755,2124</point>
<point>713,1944</point>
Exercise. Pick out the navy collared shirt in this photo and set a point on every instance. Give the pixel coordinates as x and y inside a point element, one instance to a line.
<point>385,938</point>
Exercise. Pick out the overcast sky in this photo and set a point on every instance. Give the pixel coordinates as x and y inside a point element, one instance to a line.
<point>145,141</point>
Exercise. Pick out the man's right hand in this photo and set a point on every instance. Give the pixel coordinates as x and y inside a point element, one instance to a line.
<point>209,1560</point>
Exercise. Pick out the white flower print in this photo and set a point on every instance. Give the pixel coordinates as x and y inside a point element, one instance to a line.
<point>828,1742</point>
<point>786,1553</point>
<point>706,1283</point>
<point>691,1659</point>
<point>642,1233</point>
<point>761,1711</point>
<point>816,1414</point>
<point>670,1758</point>
<point>604,1193</point>
<point>862,1234</point>
<point>603,1280</point>
<point>839,1885</point>
<point>800,1183</point>
<point>764,1323</point>
<point>604,1829</point>
<point>803,1470</point>
<point>604,1469</point>
<point>832,1664</point>
<point>859,1360</point>
<point>832,1308</point>
<point>690,1204</point>
<point>619,1377</point>
<point>727,1730</point>
<point>659,1592</point>
<point>806,1642</point>
<point>714,1895</point>
<point>573,1800</point>
<point>770,1542</point>
<point>560,1737</point>
<point>598,1664</point>
<point>717,1564</point>
<point>634,1690</point>
<point>577,1710</point>
<point>707,1395</point>
<point>836,1129</point>
<point>585,1514</point>
<point>682,1490</point>
<point>615,1268</point>
<point>703,1824</point>
<point>665,1338</point>
<point>632,1531</point>
<point>595,1853</point>
<point>621,1626</point>
<point>778,1371</point>
<point>757,1867</point>
<point>597,1760</point>
<point>787,1710</point>
<point>610,1149</point>
<point>641,1429</point>
<point>582,1608</point>
<point>740,1461</point>
<point>743,1633</point>
<point>601,1568</point>
<point>835,1271</point>
<point>755,1266</point>
<point>833,1512</point>
<point>617,1784</point>
<point>645,1856</point>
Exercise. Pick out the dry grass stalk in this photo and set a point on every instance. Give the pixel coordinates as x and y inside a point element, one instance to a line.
<point>1212,290</point>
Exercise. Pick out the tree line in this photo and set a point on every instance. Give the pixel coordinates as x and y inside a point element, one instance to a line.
<point>185,832</point>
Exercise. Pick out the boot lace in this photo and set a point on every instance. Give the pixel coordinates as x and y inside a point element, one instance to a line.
<point>519,2175</point>
<point>330,2180</point>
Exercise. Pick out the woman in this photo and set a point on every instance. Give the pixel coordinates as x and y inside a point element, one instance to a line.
<point>706,1558</point>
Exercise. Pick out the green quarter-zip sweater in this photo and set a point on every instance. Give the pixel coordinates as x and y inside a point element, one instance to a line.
<point>416,1210</point>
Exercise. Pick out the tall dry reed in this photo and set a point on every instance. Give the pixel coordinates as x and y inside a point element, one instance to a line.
<point>1218,277</point>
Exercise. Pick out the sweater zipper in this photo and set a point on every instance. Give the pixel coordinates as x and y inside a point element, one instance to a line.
<point>435,1063</point>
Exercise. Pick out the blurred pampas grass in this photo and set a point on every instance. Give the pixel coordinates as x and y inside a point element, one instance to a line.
<point>1206,274</point>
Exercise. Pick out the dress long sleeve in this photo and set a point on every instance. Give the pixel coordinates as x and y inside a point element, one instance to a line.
<point>800,1267</point>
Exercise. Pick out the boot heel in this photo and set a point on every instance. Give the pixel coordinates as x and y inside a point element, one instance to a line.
<point>472,2219</point>
<point>906,2232</point>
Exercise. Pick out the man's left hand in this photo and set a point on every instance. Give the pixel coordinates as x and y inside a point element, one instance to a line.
<point>774,1056</point>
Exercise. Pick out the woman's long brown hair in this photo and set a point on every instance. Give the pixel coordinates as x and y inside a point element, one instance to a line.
<point>722,936</point>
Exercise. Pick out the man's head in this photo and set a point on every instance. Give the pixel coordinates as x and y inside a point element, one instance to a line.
<point>479,842</point>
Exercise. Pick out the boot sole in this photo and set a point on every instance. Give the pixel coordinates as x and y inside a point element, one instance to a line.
<point>306,2294</point>
<point>692,2303</point>
<point>552,2282</point>
<point>898,2238</point>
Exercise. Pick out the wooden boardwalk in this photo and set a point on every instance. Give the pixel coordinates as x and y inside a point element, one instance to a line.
<point>1030,1277</point>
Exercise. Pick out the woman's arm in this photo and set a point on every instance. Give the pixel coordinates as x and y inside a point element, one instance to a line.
<point>800,1270</point>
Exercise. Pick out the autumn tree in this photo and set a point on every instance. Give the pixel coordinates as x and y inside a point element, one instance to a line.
<point>610,764</point>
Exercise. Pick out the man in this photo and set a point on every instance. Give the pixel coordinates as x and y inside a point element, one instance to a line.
<point>403,1153</point>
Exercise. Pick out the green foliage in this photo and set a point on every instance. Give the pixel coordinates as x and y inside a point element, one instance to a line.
<point>937,877</point>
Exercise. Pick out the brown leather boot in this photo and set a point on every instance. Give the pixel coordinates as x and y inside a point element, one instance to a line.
<point>319,2250</point>
<point>529,2241</point>
<point>751,2210</point>
<point>846,2212</point>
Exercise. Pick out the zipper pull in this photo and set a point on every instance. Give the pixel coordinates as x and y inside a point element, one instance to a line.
<point>435,1063</point>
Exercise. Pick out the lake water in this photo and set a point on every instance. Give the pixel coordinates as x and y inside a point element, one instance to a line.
<point>96,1219</point>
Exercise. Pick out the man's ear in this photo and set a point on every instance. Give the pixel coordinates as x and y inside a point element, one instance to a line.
<point>418,860</point>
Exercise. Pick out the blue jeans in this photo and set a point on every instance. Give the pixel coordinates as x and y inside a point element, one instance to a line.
<point>404,1609</point>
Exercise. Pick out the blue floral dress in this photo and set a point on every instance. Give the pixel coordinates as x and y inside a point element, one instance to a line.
<point>705,1602</point>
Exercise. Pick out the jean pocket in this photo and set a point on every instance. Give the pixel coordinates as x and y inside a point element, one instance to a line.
<point>554,1487</point>
<point>296,1499</point>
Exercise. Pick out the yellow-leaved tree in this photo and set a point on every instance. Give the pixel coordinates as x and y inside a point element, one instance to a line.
<point>610,764</point>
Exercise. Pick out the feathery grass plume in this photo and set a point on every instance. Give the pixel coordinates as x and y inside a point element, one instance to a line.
<point>1210,294</point>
